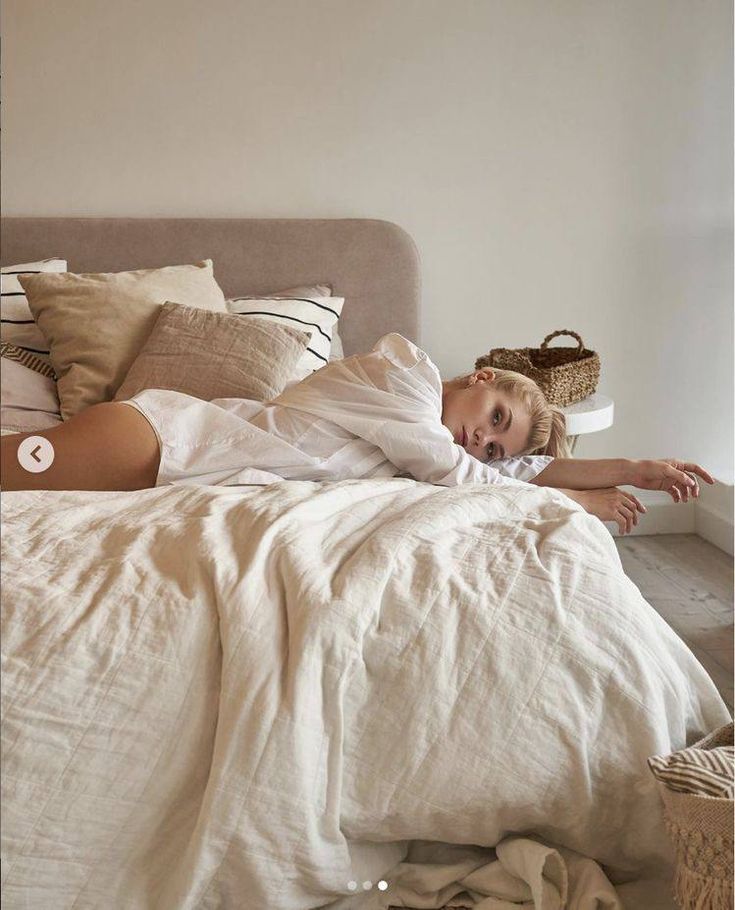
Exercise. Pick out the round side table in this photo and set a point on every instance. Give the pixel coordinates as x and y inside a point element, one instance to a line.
<point>589,415</point>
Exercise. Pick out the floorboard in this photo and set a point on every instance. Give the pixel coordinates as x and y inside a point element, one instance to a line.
<point>689,582</point>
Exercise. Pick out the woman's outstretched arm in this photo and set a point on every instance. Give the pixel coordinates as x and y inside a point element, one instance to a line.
<point>669,475</point>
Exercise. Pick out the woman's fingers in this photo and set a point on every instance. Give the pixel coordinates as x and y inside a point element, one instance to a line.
<point>632,515</point>
<point>674,492</point>
<point>636,502</point>
<point>629,511</point>
<point>681,493</point>
<point>624,518</point>
<point>681,477</point>
<point>685,473</point>
<point>699,471</point>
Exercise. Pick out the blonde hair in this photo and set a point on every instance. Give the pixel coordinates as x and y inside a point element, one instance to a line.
<point>548,435</point>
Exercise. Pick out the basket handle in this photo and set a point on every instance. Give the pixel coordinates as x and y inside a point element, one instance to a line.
<point>548,338</point>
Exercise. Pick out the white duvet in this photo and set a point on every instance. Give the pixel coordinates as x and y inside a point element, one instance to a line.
<point>251,697</point>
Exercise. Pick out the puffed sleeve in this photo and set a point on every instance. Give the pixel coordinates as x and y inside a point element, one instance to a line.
<point>419,444</point>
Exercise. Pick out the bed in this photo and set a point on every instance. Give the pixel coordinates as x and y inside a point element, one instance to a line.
<point>284,695</point>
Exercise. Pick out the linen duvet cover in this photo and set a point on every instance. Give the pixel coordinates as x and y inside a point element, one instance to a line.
<point>240,697</point>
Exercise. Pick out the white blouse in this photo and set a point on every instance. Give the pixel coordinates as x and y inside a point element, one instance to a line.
<point>370,415</point>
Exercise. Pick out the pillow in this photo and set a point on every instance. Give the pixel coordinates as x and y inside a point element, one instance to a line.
<point>303,290</point>
<point>28,399</point>
<point>33,362</point>
<point>316,315</point>
<point>705,769</point>
<point>215,355</point>
<point>96,324</point>
<point>17,325</point>
<point>318,290</point>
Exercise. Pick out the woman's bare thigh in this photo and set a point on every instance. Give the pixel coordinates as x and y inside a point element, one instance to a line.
<point>108,446</point>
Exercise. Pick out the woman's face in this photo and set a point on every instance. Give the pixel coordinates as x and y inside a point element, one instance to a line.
<point>488,423</point>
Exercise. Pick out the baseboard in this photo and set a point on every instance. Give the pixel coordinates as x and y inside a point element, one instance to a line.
<point>711,516</point>
<point>714,515</point>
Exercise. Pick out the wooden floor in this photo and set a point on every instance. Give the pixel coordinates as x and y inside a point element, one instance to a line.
<point>690,584</point>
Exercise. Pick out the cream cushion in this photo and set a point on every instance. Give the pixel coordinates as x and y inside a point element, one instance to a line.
<point>96,324</point>
<point>215,355</point>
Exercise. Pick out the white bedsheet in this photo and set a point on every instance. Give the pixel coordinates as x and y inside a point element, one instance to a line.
<point>248,697</point>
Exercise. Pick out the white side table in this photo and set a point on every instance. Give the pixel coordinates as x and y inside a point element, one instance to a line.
<point>589,415</point>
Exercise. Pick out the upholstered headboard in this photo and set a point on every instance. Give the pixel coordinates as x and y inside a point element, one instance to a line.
<point>373,264</point>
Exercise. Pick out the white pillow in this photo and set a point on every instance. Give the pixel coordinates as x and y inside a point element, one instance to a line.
<point>316,290</point>
<point>317,315</point>
<point>17,325</point>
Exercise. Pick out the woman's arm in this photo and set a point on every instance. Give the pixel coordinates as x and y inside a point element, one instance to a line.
<point>670,475</point>
<point>585,474</point>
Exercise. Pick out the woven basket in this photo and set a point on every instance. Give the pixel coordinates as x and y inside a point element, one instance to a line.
<point>564,375</point>
<point>701,828</point>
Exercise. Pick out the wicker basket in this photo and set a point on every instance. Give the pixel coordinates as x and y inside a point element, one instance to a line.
<point>564,375</point>
<point>701,828</point>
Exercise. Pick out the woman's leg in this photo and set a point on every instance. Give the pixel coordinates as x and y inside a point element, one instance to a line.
<point>108,446</point>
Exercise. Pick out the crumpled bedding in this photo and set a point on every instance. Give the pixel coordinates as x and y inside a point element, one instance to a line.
<point>248,697</point>
<point>519,872</point>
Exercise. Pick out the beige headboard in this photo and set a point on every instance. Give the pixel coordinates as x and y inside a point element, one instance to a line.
<point>373,264</point>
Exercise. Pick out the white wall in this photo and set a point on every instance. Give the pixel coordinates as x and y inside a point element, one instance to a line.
<point>560,164</point>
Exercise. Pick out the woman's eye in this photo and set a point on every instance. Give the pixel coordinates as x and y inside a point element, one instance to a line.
<point>499,416</point>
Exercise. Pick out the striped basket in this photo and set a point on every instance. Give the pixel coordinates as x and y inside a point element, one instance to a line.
<point>564,375</point>
<point>696,785</point>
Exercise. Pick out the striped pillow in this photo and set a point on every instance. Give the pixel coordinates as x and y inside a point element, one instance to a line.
<point>28,398</point>
<point>316,315</point>
<point>703,771</point>
<point>17,325</point>
<point>32,361</point>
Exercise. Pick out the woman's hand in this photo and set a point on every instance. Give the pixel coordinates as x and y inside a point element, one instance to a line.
<point>610,504</point>
<point>677,478</point>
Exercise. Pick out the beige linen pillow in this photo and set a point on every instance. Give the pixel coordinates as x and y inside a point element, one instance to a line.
<point>215,355</point>
<point>96,324</point>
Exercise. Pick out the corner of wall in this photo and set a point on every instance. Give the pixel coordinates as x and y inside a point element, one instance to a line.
<point>710,516</point>
<point>713,515</point>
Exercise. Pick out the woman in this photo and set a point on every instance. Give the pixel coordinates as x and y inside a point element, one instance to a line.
<point>380,414</point>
